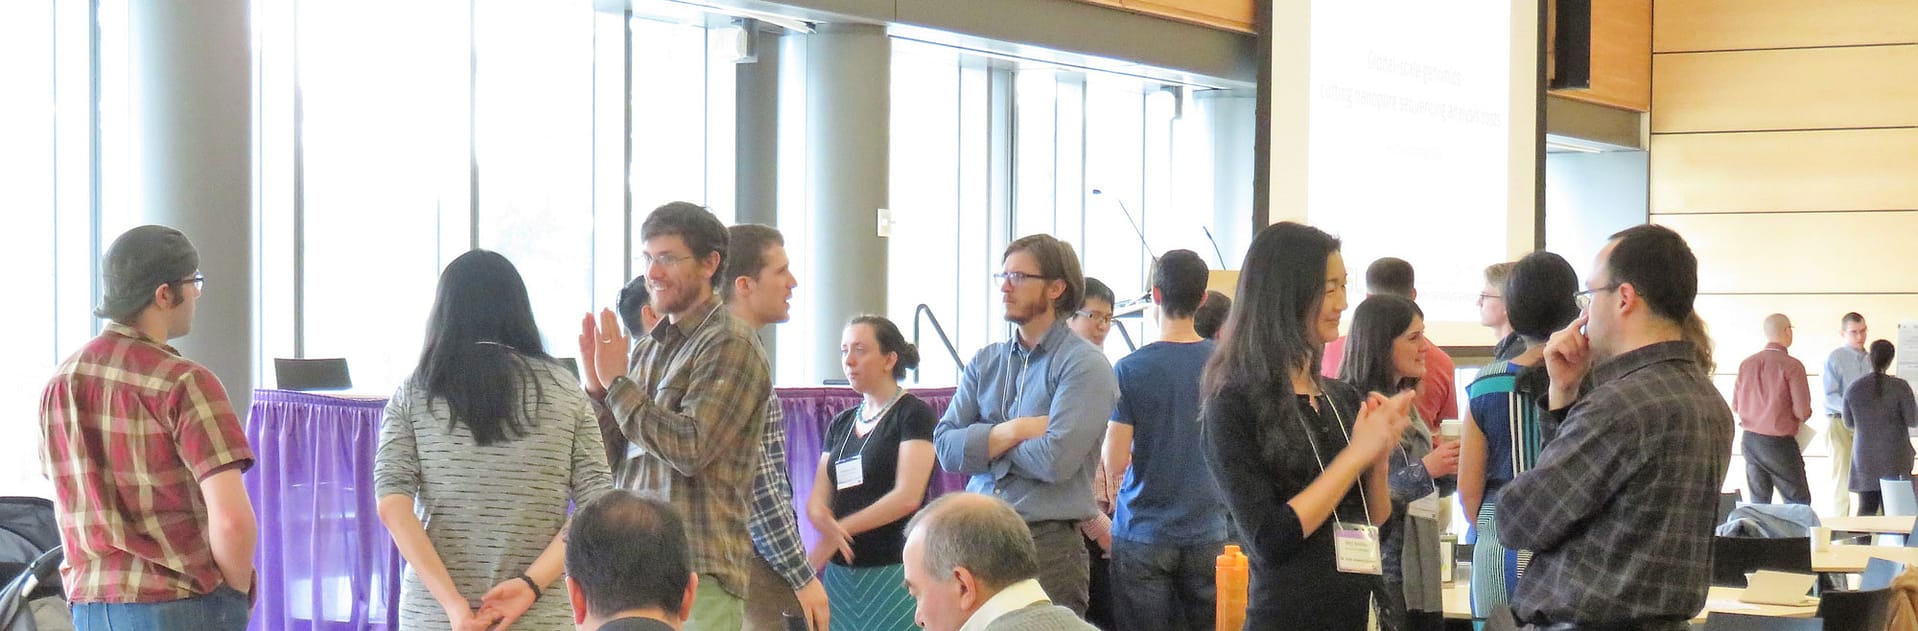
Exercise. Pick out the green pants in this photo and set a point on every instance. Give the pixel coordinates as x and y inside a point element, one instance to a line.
<point>714,608</point>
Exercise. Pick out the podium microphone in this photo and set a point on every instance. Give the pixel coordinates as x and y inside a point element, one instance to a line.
<point>1129,220</point>
<point>1215,246</point>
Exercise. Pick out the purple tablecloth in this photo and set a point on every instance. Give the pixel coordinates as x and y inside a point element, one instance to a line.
<point>326,561</point>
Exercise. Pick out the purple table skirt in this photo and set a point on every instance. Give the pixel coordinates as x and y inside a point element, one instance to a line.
<point>326,561</point>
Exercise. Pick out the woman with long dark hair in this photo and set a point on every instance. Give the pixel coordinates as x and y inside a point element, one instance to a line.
<point>1502,434</point>
<point>872,477</point>
<point>1880,409</point>
<point>1385,352</point>
<point>480,451</point>
<point>1301,461</point>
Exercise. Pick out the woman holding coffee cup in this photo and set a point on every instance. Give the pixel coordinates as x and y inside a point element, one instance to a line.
<point>1385,353</point>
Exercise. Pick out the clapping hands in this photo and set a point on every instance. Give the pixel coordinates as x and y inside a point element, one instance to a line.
<point>1381,422</point>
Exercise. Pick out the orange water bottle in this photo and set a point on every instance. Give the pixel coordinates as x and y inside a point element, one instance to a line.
<point>1233,577</point>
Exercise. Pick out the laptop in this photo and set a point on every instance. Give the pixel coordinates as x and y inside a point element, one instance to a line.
<point>1768,587</point>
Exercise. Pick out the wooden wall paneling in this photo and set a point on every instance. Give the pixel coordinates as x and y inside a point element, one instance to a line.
<point>1234,15</point>
<point>1736,323</point>
<point>1870,169</point>
<point>1866,252</point>
<point>1621,56</point>
<point>1872,86</point>
<point>1693,25</point>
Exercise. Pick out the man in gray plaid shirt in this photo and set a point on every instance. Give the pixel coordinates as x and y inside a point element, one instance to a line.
<point>1619,510</point>
<point>758,286</point>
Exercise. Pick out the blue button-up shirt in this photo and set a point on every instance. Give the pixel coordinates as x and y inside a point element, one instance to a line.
<point>1844,366</point>
<point>1063,378</point>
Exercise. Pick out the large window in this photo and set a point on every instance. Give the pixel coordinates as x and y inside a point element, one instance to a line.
<point>48,174</point>
<point>987,150</point>
<point>390,147</point>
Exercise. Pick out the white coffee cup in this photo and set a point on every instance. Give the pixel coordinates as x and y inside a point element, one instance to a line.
<point>1449,429</point>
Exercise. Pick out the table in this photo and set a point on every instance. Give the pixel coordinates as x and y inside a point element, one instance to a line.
<point>325,560</point>
<point>1887,525</point>
<point>1458,604</point>
<point>1848,559</point>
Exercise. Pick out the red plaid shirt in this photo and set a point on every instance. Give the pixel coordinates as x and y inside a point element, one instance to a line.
<point>128,429</point>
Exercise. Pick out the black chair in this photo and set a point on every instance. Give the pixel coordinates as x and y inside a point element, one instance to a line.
<point>311,374</point>
<point>1732,557</point>
<point>1864,610</point>
<point>1746,622</point>
<point>1726,502</point>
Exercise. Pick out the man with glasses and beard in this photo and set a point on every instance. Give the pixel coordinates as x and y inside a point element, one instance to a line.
<point>1030,412</point>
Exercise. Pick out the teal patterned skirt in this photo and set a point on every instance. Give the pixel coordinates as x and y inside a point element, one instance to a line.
<point>868,598</point>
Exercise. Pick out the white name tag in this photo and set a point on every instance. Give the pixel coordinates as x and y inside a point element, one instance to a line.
<point>1425,507</point>
<point>850,472</point>
<point>1357,546</point>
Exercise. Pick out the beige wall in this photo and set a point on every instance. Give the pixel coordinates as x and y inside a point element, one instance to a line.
<point>1785,148</point>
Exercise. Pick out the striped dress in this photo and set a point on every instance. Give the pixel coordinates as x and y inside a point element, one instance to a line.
<point>490,511</point>
<point>1513,440</point>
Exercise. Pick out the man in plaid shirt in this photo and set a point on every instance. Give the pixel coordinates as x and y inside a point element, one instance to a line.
<point>690,399</point>
<point>145,455</point>
<point>758,287</point>
<point>1619,511</point>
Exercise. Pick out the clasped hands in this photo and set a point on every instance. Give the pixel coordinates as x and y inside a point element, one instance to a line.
<point>499,608</point>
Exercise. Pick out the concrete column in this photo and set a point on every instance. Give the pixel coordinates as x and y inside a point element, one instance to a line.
<point>848,110</point>
<point>1230,115</point>
<point>192,93</point>
<point>756,147</point>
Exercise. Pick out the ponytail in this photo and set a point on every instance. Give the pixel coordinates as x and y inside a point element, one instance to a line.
<point>1693,330</point>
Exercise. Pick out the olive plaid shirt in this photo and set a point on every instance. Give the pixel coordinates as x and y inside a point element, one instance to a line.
<point>128,430</point>
<point>693,408</point>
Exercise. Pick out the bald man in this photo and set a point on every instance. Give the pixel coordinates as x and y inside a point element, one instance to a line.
<point>1773,399</point>
<point>972,565</point>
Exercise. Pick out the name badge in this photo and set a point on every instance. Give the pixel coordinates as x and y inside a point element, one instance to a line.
<point>1425,507</point>
<point>1357,546</point>
<point>850,472</point>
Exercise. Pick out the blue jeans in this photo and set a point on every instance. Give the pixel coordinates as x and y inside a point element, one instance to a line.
<point>1164,586</point>
<point>223,610</point>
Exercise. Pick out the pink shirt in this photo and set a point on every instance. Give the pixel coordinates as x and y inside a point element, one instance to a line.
<point>1772,395</point>
<point>1437,391</point>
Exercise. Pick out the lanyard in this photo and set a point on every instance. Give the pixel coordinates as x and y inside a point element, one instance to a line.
<point>1314,441</point>
<point>1025,360</point>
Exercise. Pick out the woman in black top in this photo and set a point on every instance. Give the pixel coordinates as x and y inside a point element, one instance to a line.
<point>1879,408</point>
<point>1300,460</point>
<point>871,479</point>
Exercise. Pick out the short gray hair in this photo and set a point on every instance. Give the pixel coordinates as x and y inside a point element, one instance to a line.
<point>980,533</point>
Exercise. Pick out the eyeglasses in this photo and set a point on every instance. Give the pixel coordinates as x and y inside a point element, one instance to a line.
<point>1485,297</point>
<point>198,280</point>
<point>647,261</point>
<point>1017,277</point>
<point>1584,298</point>
<point>1095,317</point>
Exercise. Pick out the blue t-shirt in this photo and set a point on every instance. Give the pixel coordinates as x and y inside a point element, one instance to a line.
<point>1169,497</point>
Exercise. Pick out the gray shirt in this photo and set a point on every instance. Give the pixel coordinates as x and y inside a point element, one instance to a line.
<point>1843,368</point>
<point>490,511</point>
<point>1062,377</point>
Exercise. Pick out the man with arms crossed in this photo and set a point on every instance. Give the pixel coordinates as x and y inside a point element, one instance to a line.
<point>1619,511</point>
<point>691,403</point>
<point>145,454</point>
<point>1773,399</point>
<point>1027,417</point>
<point>758,288</point>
